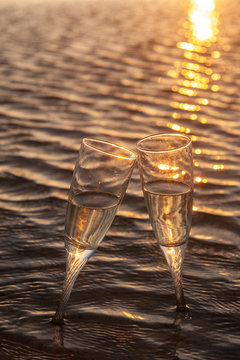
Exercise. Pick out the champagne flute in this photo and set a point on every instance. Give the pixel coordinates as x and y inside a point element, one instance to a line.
<point>166,171</point>
<point>99,182</point>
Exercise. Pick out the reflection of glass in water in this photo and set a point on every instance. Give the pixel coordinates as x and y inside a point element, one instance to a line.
<point>89,215</point>
<point>169,206</point>
<point>58,335</point>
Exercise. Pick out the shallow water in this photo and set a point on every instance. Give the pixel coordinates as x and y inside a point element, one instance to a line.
<point>117,70</point>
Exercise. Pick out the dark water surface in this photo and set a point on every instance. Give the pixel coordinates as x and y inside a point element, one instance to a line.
<point>117,70</point>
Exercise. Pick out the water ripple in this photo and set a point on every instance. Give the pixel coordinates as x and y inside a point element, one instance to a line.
<point>117,71</point>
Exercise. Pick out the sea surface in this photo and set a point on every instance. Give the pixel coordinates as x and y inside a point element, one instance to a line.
<point>118,71</point>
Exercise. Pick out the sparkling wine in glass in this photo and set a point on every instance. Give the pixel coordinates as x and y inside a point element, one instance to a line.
<point>99,182</point>
<point>166,171</point>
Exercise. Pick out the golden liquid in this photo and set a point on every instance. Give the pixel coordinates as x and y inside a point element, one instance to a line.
<point>170,210</point>
<point>89,216</point>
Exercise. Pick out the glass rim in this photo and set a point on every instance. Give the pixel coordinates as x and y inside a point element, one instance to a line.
<point>180,147</point>
<point>89,141</point>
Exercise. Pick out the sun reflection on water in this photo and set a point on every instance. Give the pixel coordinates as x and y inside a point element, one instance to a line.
<point>203,20</point>
<point>195,75</point>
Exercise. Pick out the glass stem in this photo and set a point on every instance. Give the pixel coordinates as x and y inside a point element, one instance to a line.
<point>178,284</point>
<point>76,259</point>
<point>69,281</point>
<point>175,256</point>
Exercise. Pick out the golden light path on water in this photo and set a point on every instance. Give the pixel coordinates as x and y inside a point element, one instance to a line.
<point>203,19</point>
<point>195,75</point>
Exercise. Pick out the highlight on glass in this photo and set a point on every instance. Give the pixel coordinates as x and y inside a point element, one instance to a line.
<point>166,171</point>
<point>99,182</point>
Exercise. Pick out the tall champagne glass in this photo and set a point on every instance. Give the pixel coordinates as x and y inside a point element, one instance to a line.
<point>166,171</point>
<point>99,182</point>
